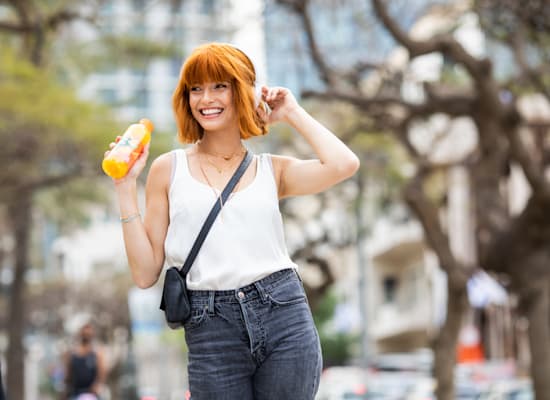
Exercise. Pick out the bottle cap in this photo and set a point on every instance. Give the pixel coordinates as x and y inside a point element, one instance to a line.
<point>148,124</point>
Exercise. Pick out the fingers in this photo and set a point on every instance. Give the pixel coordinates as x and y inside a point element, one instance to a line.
<point>146,150</point>
<point>274,93</point>
<point>142,159</point>
<point>262,112</point>
<point>111,145</point>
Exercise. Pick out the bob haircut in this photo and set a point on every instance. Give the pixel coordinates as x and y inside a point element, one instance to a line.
<point>217,62</point>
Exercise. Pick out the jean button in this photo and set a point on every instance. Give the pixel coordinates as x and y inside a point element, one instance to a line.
<point>241,295</point>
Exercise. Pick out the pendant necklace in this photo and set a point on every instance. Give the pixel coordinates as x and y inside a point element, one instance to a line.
<point>213,188</point>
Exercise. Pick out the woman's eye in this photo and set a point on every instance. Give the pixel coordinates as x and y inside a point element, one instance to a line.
<point>221,85</point>
<point>195,89</point>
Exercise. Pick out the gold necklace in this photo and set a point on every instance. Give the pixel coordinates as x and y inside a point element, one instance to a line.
<point>214,189</point>
<point>220,170</point>
<point>240,150</point>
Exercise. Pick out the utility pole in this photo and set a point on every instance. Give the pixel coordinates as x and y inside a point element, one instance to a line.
<point>362,265</point>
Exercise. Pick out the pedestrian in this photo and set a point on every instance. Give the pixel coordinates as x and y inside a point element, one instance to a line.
<point>84,367</point>
<point>251,334</point>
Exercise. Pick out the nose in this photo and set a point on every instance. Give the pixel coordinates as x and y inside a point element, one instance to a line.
<point>207,95</point>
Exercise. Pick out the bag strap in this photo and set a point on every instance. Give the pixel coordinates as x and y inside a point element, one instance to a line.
<point>214,213</point>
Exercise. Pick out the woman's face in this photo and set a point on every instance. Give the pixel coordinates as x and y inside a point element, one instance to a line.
<point>212,105</point>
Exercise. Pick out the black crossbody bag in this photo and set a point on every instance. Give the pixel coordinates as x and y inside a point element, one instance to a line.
<point>175,300</point>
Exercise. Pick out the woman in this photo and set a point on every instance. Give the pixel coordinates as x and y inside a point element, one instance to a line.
<point>251,334</point>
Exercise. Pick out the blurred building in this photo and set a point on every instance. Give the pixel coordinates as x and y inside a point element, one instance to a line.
<point>341,34</point>
<point>405,287</point>
<point>145,89</point>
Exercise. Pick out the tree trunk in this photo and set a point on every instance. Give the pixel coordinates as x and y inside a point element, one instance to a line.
<point>446,342</point>
<point>537,308</point>
<point>20,219</point>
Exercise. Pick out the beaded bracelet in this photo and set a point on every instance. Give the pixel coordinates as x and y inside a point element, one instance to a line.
<point>129,218</point>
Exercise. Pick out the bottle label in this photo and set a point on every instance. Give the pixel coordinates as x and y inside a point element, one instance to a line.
<point>127,144</point>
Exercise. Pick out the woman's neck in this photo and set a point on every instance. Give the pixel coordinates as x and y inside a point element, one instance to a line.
<point>225,147</point>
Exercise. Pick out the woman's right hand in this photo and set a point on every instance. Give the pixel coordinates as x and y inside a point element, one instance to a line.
<point>138,166</point>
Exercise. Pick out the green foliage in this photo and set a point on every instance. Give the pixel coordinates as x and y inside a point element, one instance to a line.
<point>381,156</point>
<point>455,75</point>
<point>337,347</point>
<point>45,130</point>
<point>110,52</point>
<point>435,187</point>
<point>174,338</point>
<point>66,205</point>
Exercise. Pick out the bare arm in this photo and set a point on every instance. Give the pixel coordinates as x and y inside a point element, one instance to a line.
<point>335,162</point>
<point>144,241</point>
<point>101,373</point>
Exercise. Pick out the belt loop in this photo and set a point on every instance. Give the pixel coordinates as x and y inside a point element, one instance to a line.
<point>211,296</point>
<point>261,291</point>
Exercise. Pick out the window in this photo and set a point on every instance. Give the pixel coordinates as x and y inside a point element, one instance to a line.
<point>141,98</point>
<point>390,284</point>
<point>207,7</point>
<point>138,5</point>
<point>108,96</point>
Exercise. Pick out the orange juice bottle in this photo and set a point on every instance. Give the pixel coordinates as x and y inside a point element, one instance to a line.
<point>125,153</point>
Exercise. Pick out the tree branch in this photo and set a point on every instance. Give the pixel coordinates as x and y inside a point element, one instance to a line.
<point>427,214</point>
<point>22,9</point>
<point>63,16</point>
<point>455,105</point>
<point>533,75</point>
<point>300,7</point>
<point>52,180</point>
<point>444,44</point>
<point>533,172</point>
<point>14,28</point>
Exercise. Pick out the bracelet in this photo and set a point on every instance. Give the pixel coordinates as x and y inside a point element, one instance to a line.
<point>129,218</point>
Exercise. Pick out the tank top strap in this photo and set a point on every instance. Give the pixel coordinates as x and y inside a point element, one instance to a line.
<point>265,171</point>
<point>180,167</point>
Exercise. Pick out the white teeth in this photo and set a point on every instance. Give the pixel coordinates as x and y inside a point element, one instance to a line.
<point>211,111</point>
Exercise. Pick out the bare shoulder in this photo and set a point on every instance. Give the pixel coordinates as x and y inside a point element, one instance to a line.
<point>161,169</point>
<point>280,162</point>
<point>99,350</point>
<point>163,161</point>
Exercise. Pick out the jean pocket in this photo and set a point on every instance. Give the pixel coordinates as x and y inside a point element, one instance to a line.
<point>197,318</point>
<point>288,293</point>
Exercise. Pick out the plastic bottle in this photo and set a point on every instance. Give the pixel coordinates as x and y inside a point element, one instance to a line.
<point>125,153</point>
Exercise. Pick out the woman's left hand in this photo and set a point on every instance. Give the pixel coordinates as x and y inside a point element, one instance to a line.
<point>280,100</point>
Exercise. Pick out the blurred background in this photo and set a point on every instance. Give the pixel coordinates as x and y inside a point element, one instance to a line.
<point>428,273</point>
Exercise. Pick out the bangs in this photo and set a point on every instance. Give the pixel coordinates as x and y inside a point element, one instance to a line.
<point>204,67</point>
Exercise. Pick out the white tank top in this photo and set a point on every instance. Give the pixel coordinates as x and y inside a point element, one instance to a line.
<point>246,241</point>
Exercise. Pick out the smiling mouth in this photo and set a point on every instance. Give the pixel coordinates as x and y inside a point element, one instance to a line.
<point>207,112</point>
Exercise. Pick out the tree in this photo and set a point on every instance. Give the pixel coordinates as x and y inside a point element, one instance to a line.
<point>49,139</point>
<point>326,221</point>
<point>514,245</point>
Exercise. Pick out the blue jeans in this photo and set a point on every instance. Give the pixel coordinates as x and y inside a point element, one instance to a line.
<point>257,342</point>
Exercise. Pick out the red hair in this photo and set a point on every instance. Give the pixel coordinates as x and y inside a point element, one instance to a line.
<point>217,62</point>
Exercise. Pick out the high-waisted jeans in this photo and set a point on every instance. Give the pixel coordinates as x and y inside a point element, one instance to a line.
<point>253,343</point>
